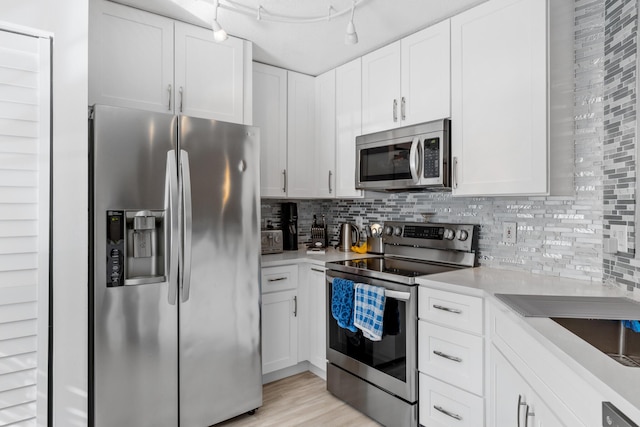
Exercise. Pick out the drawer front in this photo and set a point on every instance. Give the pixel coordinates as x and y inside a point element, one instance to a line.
<point>280,278</point>
<point>442,405</point>
<point>457,311</point>
<point>452,356</point>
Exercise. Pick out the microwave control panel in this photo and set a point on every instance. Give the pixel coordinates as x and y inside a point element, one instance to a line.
<point>431,158</point>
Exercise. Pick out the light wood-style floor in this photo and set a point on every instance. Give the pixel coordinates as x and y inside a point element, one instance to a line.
<point>301,400</point>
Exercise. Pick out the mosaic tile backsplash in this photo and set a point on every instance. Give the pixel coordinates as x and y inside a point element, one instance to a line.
<point>559,236</point>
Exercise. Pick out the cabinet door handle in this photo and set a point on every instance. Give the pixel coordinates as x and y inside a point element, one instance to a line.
<point>181,98</point>
<point>318,270</point>
<point>527,414</point>
<point>447,309</point>
<point>447,413</point>
<point>330,189</point>
<point>277,279</point>
<point>455,172</point>
<point>447,356</point>
<point>395,110</point>
<point>520,403</point>
<point>403,108</point>
<point>295,306</point>
<point>284,182</point>
<point>169,89</point>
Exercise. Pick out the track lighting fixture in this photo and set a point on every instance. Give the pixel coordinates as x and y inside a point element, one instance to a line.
<point>351,37</point>
<point>262,14</point>
<point>219,34</point>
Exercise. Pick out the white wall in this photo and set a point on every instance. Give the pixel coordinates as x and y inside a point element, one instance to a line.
<point>68,21</point>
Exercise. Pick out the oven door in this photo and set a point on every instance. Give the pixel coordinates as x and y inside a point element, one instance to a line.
<point>391,363</point>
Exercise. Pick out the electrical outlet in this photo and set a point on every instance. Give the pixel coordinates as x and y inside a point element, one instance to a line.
<point>619,232</point>
<point>509,233</point>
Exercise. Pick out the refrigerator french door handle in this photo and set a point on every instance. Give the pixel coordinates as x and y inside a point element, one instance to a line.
<point>172,204</point>
<point>187,220</point>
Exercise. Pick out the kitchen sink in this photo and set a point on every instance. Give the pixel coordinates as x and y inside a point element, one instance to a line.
<point>608,336</point>
<point>596,320</point>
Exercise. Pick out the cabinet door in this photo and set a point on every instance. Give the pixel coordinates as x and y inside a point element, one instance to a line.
<point>279,331</point>
<point>426,75</point>
<point>348,126</point>
<point>381,89</point>
<point>300,135</point>
<point>209,75</point>
<point>512,401</point>
<point>317,317</point>
<point>270,115</point>
<point>130,58</point>
<point>499,98</point>
<point>325,134</point>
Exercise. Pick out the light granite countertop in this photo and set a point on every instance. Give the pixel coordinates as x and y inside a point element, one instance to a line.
<point>615,382</point>
<point>301,256</point>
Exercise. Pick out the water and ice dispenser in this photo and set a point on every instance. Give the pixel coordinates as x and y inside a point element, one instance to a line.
<point>135,247</point>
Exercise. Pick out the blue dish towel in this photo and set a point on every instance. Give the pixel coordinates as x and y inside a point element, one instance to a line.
<point>342,303</point>
<point>634,325</point>
<point>369,310</point>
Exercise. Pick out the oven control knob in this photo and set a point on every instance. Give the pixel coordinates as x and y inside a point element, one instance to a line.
<point>449,234</point>
<point>388,230</point>
<point>397,231</point>
<point>462,235</point>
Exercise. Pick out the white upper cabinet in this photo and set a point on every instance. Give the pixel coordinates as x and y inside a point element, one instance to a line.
<point>381,89</point>
<point>141,60</point>
<point>426,75</point>
<point>209,75</point>
<point>300,135</point>
<point>506,55</point>
<point>130,58</point>
<point>348,126</point>
<point>324,159</point>
<point>408,81</point>
<point>270,115</point>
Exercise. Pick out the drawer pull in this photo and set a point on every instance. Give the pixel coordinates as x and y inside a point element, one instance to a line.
<point>277,279</point>
<point>450,310</point>
<point>318,270</point>
<point>447,413</point>
<point>446,356</point>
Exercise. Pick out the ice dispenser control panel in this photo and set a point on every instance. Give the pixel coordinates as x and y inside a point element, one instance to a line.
<point>115,248</point>
<point>135,247</point>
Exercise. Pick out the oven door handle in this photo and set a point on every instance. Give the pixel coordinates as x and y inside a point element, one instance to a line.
<point>388,293</point>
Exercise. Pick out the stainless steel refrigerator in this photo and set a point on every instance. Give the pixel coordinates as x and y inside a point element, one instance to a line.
<point>175,280</point>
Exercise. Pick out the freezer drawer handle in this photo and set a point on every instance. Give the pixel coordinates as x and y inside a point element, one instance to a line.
<point>447,413</point>
<point>446,356</point>
<point>450,310</point>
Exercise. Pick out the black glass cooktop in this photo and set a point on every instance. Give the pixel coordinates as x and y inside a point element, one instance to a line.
<point>388,268</point>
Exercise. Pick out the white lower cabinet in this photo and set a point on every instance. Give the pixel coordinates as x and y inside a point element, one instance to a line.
<point>513,402</point>
<point>450,358</point>
<point>294,319</point>
<point>279,317</point>
<point>443,405</point>
<point>317,313</point>
<point>522,368</point>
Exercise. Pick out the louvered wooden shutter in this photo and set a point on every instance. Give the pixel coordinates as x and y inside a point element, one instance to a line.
<point>24,226</point>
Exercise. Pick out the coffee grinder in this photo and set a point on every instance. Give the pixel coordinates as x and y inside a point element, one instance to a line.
<point>289,218</point>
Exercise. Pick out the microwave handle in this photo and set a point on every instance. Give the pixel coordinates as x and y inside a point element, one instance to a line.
<point>415,159</point>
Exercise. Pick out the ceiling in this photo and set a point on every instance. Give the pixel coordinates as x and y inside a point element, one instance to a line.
<point>312,48</point>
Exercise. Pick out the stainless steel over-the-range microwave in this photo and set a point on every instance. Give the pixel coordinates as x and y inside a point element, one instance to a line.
<point>408,158</point>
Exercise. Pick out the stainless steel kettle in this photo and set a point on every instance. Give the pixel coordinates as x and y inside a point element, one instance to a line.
<point>349,236</point>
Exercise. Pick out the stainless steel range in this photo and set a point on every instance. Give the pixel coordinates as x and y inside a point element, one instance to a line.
<point>380,378</point>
